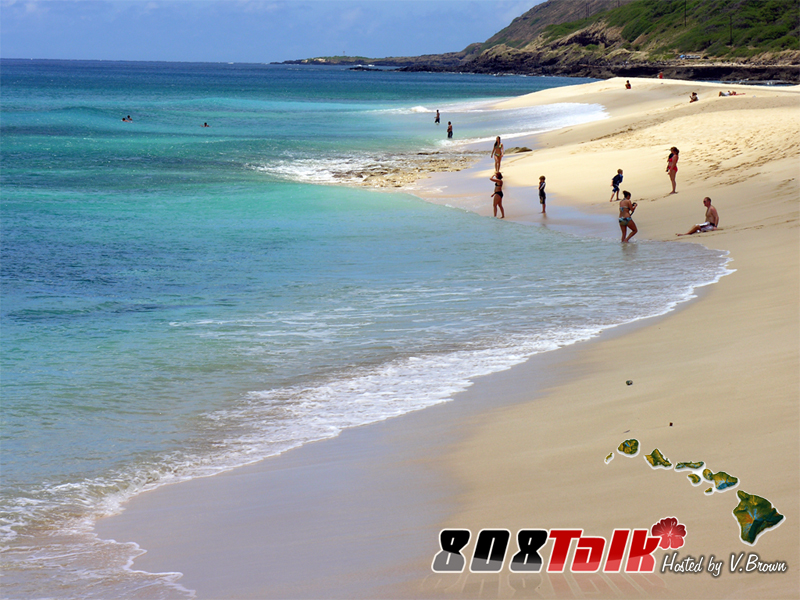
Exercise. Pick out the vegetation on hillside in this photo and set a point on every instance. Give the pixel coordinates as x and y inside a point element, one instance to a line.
<point>718,28</point>
<point>526,28</point>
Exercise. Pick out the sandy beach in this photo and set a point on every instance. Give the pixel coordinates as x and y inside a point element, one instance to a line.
<point>717,380</point>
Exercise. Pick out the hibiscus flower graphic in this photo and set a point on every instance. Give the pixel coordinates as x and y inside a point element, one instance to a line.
<point>671,533</point>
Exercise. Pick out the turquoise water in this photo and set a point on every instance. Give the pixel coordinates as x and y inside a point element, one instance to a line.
<point>180,300</point>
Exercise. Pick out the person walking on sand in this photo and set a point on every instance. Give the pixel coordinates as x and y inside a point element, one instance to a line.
<point>497,195</point>
<point>672,166</point>
<point>712,220</point>
<point>449,129</point>
<point>542,195</point>
<point>615,183</point>
<point>626,208</point>
<point>497,154</point>
<point>436,118</point>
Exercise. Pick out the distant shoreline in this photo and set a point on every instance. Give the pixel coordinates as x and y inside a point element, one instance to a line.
<point>694,70</point>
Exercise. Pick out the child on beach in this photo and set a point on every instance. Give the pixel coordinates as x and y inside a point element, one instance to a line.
<point>542,195</point>
<point>615,182</point>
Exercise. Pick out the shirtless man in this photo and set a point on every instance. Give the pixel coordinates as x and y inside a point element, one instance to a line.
<point>712,219</point>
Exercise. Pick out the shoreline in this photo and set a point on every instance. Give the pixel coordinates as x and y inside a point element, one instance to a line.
<point>467,467</point>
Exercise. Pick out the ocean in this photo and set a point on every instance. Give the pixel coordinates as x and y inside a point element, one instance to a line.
<point>180,300</point>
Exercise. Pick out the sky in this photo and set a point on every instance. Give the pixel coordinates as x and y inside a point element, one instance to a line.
<point>253,31</point>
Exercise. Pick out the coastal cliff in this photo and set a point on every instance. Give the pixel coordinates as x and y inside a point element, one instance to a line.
<point>732,40</point>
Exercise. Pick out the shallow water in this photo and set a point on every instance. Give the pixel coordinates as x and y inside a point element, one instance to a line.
<point>180,300</point>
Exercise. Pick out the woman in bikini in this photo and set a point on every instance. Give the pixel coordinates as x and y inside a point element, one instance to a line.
<point>672,166</point>
<point>497,196</point>
<point>626,208</point>
<point>497,154</point>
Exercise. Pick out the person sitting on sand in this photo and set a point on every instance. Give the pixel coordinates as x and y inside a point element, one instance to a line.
<point>615,183</point>
<point>672,166</point>
<point>628,84</point>
<point>497,195</point>
<point>626,208</point>
<point>712,220</point>
<point>449,129</point>
<point>693,97</point>
<point>497,154</point>
<point>542,195</point>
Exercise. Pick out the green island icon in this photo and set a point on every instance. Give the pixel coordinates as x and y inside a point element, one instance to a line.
<point>755,515</point>
<point>721,480</point>
<point>658,460</point>
<point>629,447</point>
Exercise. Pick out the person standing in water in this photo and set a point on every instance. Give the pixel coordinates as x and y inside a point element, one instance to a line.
<point>626,208</point>
<point>497,195</point>
<point>449,129</point>
<point>672,166</point>
<point>542,195</point>
<point>436,118</point>
<point>497,154</point>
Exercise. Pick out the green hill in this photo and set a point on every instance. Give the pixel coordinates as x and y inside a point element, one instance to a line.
<point>702,39</point>
<point>716,28</point>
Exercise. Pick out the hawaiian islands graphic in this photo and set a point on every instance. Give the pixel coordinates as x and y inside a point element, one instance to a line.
<point>629,447</point>
<point>721,480</point>
<point>754,514</point>
<point>656,459</point>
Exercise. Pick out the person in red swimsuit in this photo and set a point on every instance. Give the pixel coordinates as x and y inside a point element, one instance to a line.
<point>672,166</point>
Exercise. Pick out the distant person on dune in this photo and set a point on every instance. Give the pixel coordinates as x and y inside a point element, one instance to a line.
<point>712,220</point>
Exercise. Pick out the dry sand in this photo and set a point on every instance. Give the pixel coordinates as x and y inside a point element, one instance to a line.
<point>359,516</point>
<point>724,371</point>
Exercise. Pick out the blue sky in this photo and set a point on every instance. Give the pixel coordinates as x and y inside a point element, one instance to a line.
<point>246,30</point>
